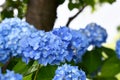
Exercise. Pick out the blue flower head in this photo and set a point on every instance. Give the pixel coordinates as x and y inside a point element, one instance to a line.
<point>75,41</point>
<point>78,45</point>
<point>97,35</point>
<point>10,75</point>
<point>11,31</point>
<point>64,34</point>
<point>53,51</point>
<point>45,47</point>
<point>29,46</point>
<point>68,72</point>
<point>118,48</point>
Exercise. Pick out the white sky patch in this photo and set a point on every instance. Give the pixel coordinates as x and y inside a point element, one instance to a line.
<point>2,2</point>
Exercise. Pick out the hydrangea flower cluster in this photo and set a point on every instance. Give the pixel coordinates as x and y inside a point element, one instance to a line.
<point>18,38</point>
<point>10,75</point>
<point>118,48</point>
<point>54,51</point>
<point>29,46</point>
<point>11,31</point>
<point>45,47</point>
<point>78,45</point>
<point>75,41</point>
<point>96,34</point>
<point>66,36</point>
<point>68,72</point>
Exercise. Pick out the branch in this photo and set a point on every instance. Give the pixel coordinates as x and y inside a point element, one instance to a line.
<point>4,67</point>
<point>71,18</point>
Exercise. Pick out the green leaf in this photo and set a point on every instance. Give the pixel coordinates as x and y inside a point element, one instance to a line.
<point>45,73</point>
<point>92,60</point>
<point>20,12</point>
<point>32,68</point>
<point>111,67</point>
<point>79,3</point>
<point>90,2</point>
<point>6,13</point>
<point>72,5</point>
<point>105,78</point>
<point>109,52</point>
<point>10,5</point>
<point>61,1</point>
<point>28,77</point>
<point>13,4</point>
<point>12,63</point>
<point>22,67</point>
<point>108,1</point>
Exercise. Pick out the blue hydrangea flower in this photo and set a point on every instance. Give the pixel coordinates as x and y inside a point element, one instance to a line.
<point>97,35</point>
<point>10,75</point>
<point>64,34</point>
<point>68,72</point>
<point>118,48</point>
<point>45,47</point>
<point>11,31</point>
<point>75,41</point>
<point>30,46</point>
<point>53,50</point>
<point>78,45</point>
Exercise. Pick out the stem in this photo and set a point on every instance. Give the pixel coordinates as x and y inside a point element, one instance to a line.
<point>4,67</point>
<point>37,72</point>
<point>71,18</point>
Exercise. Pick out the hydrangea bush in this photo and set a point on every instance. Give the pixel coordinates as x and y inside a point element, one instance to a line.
<point>60,54</point>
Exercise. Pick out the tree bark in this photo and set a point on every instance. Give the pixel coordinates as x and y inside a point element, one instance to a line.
<point>42,13</point>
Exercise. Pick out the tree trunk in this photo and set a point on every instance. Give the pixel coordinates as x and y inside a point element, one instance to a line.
<point>42,13</point>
